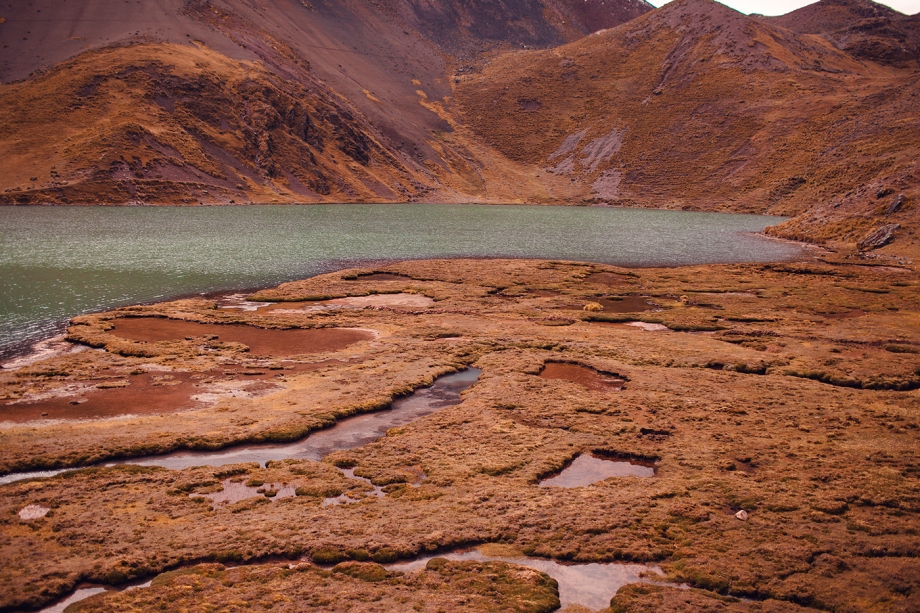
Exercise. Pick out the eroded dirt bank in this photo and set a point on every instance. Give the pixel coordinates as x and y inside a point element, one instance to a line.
<point>788,391</point>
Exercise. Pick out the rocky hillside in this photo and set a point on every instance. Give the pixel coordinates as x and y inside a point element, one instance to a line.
<point>861,27</point>
<point>695,106</point>
<point>219,101</point>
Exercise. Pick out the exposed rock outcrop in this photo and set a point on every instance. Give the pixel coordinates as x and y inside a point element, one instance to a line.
<point>878,237</point>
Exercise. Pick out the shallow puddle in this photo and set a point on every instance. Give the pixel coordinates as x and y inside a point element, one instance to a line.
<point>239,302</point>
<point>587,469</point>
<point>261,341</point>
<point>377,492</point>
<point>576,373</point>
<point>33,511</point>
<point>236,491</point>
<point>150,393</point>
<point>347,434</point>
<point>633,325</point>
<point>618,304</point>
<point>588,585</point>
<point>647,326</point>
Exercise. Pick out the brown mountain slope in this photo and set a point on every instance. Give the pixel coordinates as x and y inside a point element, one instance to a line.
<point>160,122</point>
<point>861,27</point>
<point>376,70</point>
<point>690,106</point>
<point>391,48</point>
<point>176,124</point>
<point>42,33</point>
<point>829,15</point>
<point>697,106</point>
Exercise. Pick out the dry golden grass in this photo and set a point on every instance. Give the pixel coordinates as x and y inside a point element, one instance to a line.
<point>789,410</point>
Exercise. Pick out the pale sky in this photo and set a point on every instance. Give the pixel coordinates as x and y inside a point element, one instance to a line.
<point>781,7</point>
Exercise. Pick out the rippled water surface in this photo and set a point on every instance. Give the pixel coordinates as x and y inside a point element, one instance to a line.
<point>58,262</point>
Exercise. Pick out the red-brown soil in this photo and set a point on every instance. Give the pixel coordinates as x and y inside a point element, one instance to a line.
<point>143,393</point>
<point>583,375</point>
<point>261,341</point>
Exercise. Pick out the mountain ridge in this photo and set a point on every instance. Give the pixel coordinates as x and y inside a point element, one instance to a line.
<point>863,28</point>
<point>691,106</point>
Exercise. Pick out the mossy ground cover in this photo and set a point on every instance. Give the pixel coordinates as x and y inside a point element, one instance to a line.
<point>363,586</point>
<point>828,471</point>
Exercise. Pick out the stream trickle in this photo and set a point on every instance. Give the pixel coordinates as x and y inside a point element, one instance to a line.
<point>589,585</point>
<point>347,434</point>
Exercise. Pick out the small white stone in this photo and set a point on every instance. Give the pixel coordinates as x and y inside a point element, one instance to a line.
<point>742,515</point>
<point>33,511</point>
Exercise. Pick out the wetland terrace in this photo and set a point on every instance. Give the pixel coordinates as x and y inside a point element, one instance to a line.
<point>730,425</point>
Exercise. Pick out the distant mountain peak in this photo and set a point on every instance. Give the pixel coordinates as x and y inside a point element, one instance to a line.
<point>830,15</point>
<point>862,28</point>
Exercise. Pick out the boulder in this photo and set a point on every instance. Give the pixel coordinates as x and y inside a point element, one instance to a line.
<point>895,206</point>
<point>878,237</point>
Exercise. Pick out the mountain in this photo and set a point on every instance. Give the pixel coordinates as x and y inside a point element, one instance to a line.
<point>693,106</point>
<point>696,106</point>
<point>863,28</point>
<point>266,100</point>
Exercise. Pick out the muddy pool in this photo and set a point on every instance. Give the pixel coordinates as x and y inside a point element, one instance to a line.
<point>587,469</point>
<point>583,375</point>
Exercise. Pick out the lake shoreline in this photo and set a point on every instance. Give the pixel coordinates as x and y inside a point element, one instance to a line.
<point>31,349</point>
<point>56,264</point>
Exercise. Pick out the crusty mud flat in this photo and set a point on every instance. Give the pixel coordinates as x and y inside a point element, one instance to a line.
<point>788,391</point>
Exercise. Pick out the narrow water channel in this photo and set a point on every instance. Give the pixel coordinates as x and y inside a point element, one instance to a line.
<point>346,434</point>
<point>589,585</point>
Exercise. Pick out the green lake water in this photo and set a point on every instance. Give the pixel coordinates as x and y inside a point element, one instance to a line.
<point>58,262</point>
